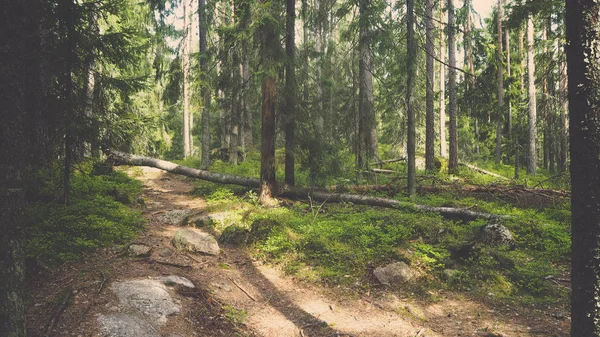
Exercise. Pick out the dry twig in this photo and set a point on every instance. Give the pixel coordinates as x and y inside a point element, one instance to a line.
<point>242,289</point>
<point>59,310</point>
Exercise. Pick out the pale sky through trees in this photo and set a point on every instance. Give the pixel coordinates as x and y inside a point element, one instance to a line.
<point>484,7</point>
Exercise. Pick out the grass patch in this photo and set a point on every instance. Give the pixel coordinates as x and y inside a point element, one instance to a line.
<point>341,244</point>
<point>99,215</point>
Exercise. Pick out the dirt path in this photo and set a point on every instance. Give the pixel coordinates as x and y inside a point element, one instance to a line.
<point>258,300</point>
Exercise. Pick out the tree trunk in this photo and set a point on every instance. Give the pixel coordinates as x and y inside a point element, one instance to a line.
<point>583,37</point>
<point>532,155</point>
<point>366,100</point>
<point>500,119</point>
<point>318,118</point>
<point>120,158</point>
<point>235,113</point>
<point>68,97</point>
<point>189,71</point>
<point>410,89</point>
<point>443,143</point>
<point>184,69</point>
<point>429,83</point>
<point>268,184</point>
<point>469,63</point>
<point>290,83</point>
<point>19,38</point>
<point>205,91</point>
<point>564,123</point>
<point>453,162</point>
<point>508,73</point>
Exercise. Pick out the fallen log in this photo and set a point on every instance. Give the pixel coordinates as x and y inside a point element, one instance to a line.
<point>447,212</point>
<point>121,158</point>
<point>477,169</point>
<point>383,171</point>
<point>388,161</point>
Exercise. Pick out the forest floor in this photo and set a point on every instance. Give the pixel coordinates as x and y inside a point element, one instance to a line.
<point>238,295</point>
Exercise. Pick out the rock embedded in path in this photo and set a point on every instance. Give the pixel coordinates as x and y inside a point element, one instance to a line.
<point>165,252</point>
<point>497,235</point>
<point>195,241</point>
<point>395,273</point>
<point>139,250</point>
<point>125,325</point>
<point>175,279</point>
<point>149,297</point>
<point>177,217</point>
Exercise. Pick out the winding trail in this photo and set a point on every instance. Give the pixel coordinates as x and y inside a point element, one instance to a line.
<point>273,305</point>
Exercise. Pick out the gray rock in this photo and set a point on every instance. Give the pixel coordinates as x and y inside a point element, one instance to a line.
<point>193,240</point>
<point>124,325</point>
<point>139,250</point>
<point>395,273</point>
<point>177,217</point>
<point>166,252</point>
<point>149,297</point>
<point>497,235</point>
<point>174,279</point>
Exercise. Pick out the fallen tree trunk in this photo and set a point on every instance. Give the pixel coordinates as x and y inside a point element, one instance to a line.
<point>447,212</point>
<point>121,158</point>
<point>477,169</point>
<point>388,161</point>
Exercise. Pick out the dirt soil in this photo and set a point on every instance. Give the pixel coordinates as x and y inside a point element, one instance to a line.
<point>237,295</point>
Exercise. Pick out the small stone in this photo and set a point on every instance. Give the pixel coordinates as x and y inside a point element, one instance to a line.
<point>166,252</point>
<point>177,217</point>
<point>174,279</point>
<point>149,297</point>
<point>195,241</point>
<point>124,325</point>
<point>395,273</point>
<point>139,250</point>
<point>497,235</point>
<point>222,285</point>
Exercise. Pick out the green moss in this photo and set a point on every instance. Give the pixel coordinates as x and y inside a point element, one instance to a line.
<point>97,217</point>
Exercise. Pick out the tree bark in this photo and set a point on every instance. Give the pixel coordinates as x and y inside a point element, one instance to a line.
<point>268,184</point>
<point>20,42</point>
<point>443,143</point>
<point>508,74</point>
<point>68,97</point>
<point>290,82</point>
<point>120,158</point>
<point>366,100</point>
<point>469,63</point>
<point>453,162</point>
<point>184,69</point>
<point>583,48</point>
<point>429,83</point>
<point>410,89</point>
<point>532,154</point>
<point>205,91</point>
<point>318,118</point>
<point>564,122</point>
<point>500,119</point>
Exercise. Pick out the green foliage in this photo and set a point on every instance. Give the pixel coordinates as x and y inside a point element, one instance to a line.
<point>97,217</point>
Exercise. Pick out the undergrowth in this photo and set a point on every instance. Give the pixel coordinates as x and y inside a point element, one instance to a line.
<point>99,214</point>
<point>341,244</point>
